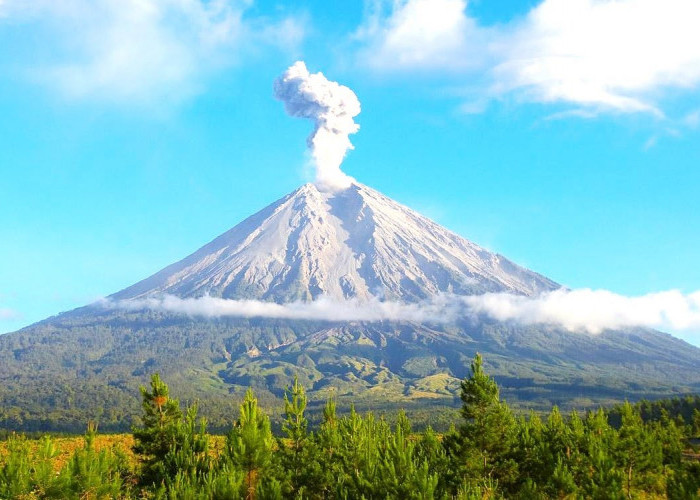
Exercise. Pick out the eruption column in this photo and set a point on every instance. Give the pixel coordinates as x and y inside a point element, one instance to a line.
<point>332,108</point>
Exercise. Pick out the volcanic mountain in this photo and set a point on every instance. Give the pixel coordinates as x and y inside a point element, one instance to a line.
<point>356,243</point>
<point>352,244</point>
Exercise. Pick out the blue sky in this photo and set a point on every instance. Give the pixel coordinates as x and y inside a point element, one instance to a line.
<point>562,134</point>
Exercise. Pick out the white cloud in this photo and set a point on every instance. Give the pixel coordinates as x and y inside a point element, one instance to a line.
<point>607,55</point>
<point>594,310</point>
<point>585,310</point>
<point>141,50</point>
<point>5,313</point>
<point>650,143</point>
<point>692,119</point>
<point>321,309</point>
<point>423,34</point>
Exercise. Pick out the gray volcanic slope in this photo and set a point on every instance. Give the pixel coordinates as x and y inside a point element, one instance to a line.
<point>356,243</point>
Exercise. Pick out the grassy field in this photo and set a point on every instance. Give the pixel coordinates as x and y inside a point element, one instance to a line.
<point>67,445</point>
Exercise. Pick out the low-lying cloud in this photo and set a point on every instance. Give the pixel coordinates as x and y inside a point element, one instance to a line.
<point>322,309</point>
<point>584,310</point>
<point>593,310</point>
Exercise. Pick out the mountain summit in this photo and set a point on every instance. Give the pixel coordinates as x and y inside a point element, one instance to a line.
<point>353,243</point>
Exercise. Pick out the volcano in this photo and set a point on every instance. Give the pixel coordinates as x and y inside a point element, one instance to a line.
<point>354,244</point>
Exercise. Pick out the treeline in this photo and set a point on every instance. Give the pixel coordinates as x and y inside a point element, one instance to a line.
<point>492,453</point>
<point>686,408</point>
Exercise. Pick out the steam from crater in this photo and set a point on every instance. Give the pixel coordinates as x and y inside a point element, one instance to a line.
<point>331,107</point>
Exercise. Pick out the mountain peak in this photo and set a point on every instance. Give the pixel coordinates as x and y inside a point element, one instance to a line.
<point>352,243</point>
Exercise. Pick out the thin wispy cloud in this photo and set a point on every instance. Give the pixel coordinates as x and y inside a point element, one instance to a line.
<point>141,51</point>
<point>692,119</point>
<point>599,55</point>
<point>585,310</point>
<point>7,314</point>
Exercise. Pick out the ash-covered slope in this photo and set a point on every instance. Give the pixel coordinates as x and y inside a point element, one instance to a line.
<point>352,243</point>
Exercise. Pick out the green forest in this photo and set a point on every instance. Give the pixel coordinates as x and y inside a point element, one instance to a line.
<point>630,451</point>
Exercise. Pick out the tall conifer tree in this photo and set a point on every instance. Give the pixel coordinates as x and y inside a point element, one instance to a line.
<point>155,438</point>
<point>249,444</point>
<point>488,428</point>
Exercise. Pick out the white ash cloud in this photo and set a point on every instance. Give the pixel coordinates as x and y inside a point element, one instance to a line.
<point>332,107</point>
<point>584,310</point>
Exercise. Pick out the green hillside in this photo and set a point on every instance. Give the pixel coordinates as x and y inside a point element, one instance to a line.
<point>88,364</point>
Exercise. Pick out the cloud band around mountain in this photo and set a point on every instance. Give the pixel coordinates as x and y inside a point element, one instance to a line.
<point>583,310</point>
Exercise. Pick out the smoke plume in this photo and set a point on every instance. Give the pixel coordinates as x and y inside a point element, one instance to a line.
<point>332,108</point>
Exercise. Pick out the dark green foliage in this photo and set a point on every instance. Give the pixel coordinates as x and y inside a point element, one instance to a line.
<point>402,473</point>
<point>156,438</point>
<point>249,445</point>
<point>92,474</point>
<point>88,364</point>
<point>637,450</point>
<point>15,469</point>
<point>89,474</point>
<point>491,454</point>
<point>488,430</point>
<point>686,408</point>
<point>684,483</point>
<point>298,451</point>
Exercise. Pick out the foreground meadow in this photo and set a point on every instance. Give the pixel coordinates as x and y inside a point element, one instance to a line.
<point>640,451</point>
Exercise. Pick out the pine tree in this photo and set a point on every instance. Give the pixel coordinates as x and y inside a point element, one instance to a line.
<point>157,436</point>
<point>44,482</point>
<point>696,423</point>
<point>15,468</point>
<point>670,435</point>
<point>189,455</point>
<point>600,478</point>
<point>328,445</point>
<point>684,483</point>
<point>28,475</point>
<point>358,453</point>
<point>488,428</point>
<point>637,450</point>
<point>297,452</point>
<point>530,454</point>
<point>399,473</point>
<point>249,443</point>
<point>605,481</point>
<point>92,474</point>
<point>430,450</point>
<point>558,447</point>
